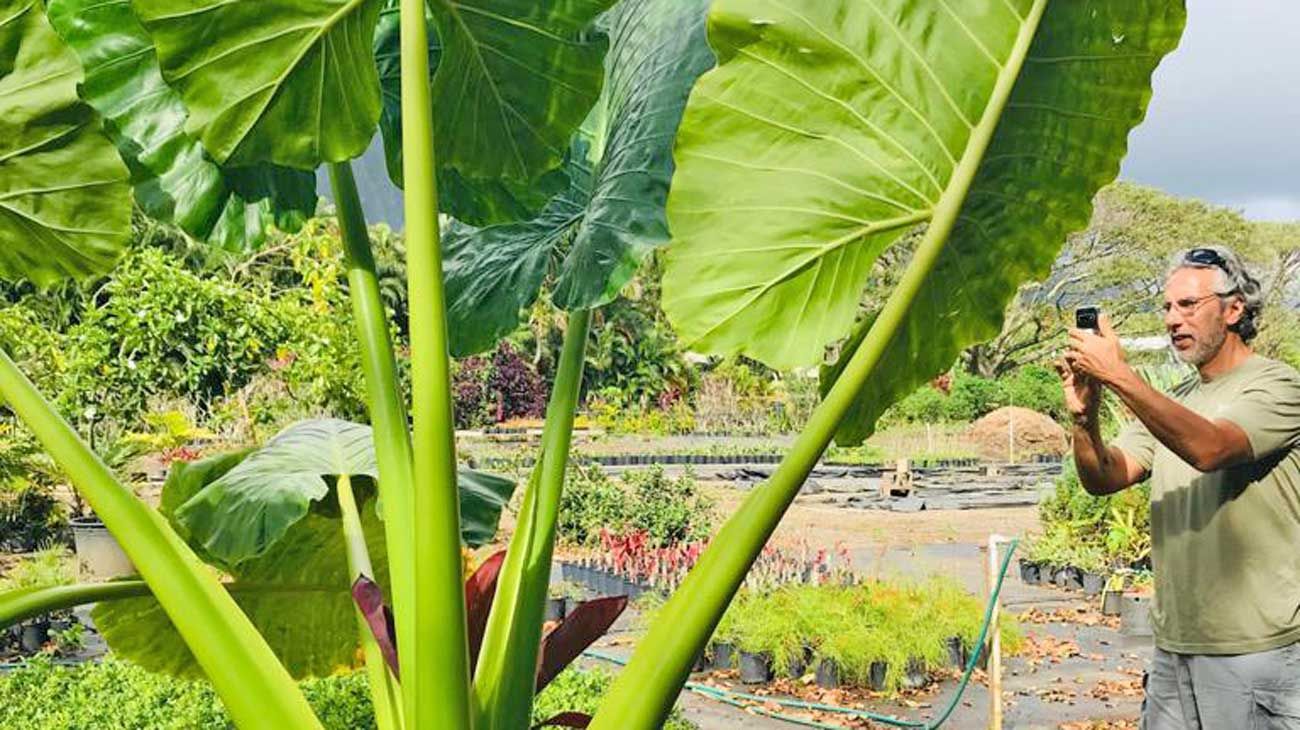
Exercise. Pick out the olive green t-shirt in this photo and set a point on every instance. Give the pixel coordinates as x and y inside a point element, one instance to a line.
<point>1226,544</point>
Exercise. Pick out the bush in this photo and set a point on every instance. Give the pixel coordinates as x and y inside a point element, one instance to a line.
<point>668,510</point>
<point>119,695</point>
<point>590,502</point>
<point>1092,532</point>
<point>971,397</point>
<point>159,329</point>
<point>30,514</point>
<point>115,694</point>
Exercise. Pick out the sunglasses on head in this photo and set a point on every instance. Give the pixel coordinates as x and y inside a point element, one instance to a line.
<point>1206,257</point>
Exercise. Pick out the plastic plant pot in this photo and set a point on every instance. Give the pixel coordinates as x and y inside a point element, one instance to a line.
<point>828,674</point>
<point>99,555</point>
<point>555,609</point>
<point>1093,583</point>
<point>1135,615</point>
<point>876,674</point>
<point>701,662</point>
<point>956,652</point>
<point>755,667</point>
<point>1030,572</point>
<point>1110,603</point>
<point>724,655</point>
<point>797,666</point>
<point>916,676</point>
<point>33,636</point>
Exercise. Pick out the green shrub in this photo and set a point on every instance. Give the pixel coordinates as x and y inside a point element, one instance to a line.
<point>157,328</point>
<point>669,510</point>
<point>30,514</point>
<point>121,696</point>
<point>1092,532</point>
<point>116,695</point>
<point>590,501</point>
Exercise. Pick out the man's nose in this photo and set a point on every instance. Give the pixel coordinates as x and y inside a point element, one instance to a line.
<point>1173,318</point>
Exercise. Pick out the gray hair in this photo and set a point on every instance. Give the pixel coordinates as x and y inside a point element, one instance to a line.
<point>1234,280</point>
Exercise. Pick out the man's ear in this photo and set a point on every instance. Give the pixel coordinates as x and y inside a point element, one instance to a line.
<point>1233,313</point>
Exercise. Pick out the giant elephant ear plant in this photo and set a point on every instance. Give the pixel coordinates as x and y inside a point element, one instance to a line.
<point>828,129</point>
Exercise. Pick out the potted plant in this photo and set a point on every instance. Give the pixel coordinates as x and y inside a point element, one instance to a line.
<point>1112,595</point>
<point>1135,606</point>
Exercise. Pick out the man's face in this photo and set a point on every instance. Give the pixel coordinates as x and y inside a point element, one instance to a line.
<point>1198,319</point>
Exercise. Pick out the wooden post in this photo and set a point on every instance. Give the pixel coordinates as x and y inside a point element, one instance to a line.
<point>995,638</point>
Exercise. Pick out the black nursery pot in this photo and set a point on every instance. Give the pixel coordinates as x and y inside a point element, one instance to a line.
<point>956,652</point>
<point>828,674</point>
<point>701,662</point>
<point>755,667</point>
<point>1030,572</point>
<point>555,609</point>
<point>724,654</point>
<point>915,677</point>
<point>32,636</point>
<point>876,676</point>
<point>798,663</point>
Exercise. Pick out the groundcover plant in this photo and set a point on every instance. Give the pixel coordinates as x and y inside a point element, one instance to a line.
<point>825,130</point>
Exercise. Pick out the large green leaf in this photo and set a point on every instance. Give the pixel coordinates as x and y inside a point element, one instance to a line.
<point>599,230</point>
<point>170,173</point>
<point>475,201</point>
<point>291,82</point>
<point>832,128</point>
<point>297,594</point>
<point>514,79</point>
<point>65,204</point>
<point>232,512</point>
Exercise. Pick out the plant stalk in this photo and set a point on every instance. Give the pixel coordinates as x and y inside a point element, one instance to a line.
<point>384,691</point>
<point>256,689</point>
<point>505,678</point>
<point>643,694</point>
<point>387,407</point>
<point>22,604</point>
<point>432,641</point>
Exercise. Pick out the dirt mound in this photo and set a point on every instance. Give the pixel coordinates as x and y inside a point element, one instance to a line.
<point>1032,432</point>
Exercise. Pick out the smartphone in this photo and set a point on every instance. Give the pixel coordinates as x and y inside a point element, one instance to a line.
<point>1085,318</point>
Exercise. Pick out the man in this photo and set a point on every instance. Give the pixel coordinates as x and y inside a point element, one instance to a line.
<point>1223,456</point>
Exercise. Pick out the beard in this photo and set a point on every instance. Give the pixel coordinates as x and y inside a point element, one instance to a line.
<point>1204,349</point>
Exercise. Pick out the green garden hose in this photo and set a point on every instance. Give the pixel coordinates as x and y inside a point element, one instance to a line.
<point>739,699</point>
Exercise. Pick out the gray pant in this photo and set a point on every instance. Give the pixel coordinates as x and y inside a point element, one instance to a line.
<point>1240,692</point>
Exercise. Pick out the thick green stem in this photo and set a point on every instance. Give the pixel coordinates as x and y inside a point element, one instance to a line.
<point>22,604</point>
<point>432,638</point>
<point>644,692</point>
<point>387,407</point>
<point>504,680</point>
<point>256,689</point>
<point>383,686</point>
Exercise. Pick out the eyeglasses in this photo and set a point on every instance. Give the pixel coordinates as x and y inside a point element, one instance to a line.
<point>1187,307</point>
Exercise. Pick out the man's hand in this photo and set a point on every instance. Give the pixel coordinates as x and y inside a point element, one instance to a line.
<point>1082,394</point>
<point>1098,356</point>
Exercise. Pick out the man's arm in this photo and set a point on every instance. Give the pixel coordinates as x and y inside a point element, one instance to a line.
<point>1102,469</point>
<point>1207,445</point>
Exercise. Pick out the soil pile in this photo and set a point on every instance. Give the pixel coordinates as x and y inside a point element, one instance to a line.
<point>1032,432</point>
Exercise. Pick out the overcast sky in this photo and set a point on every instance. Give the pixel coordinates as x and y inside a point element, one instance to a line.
<point>1224,124</point>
